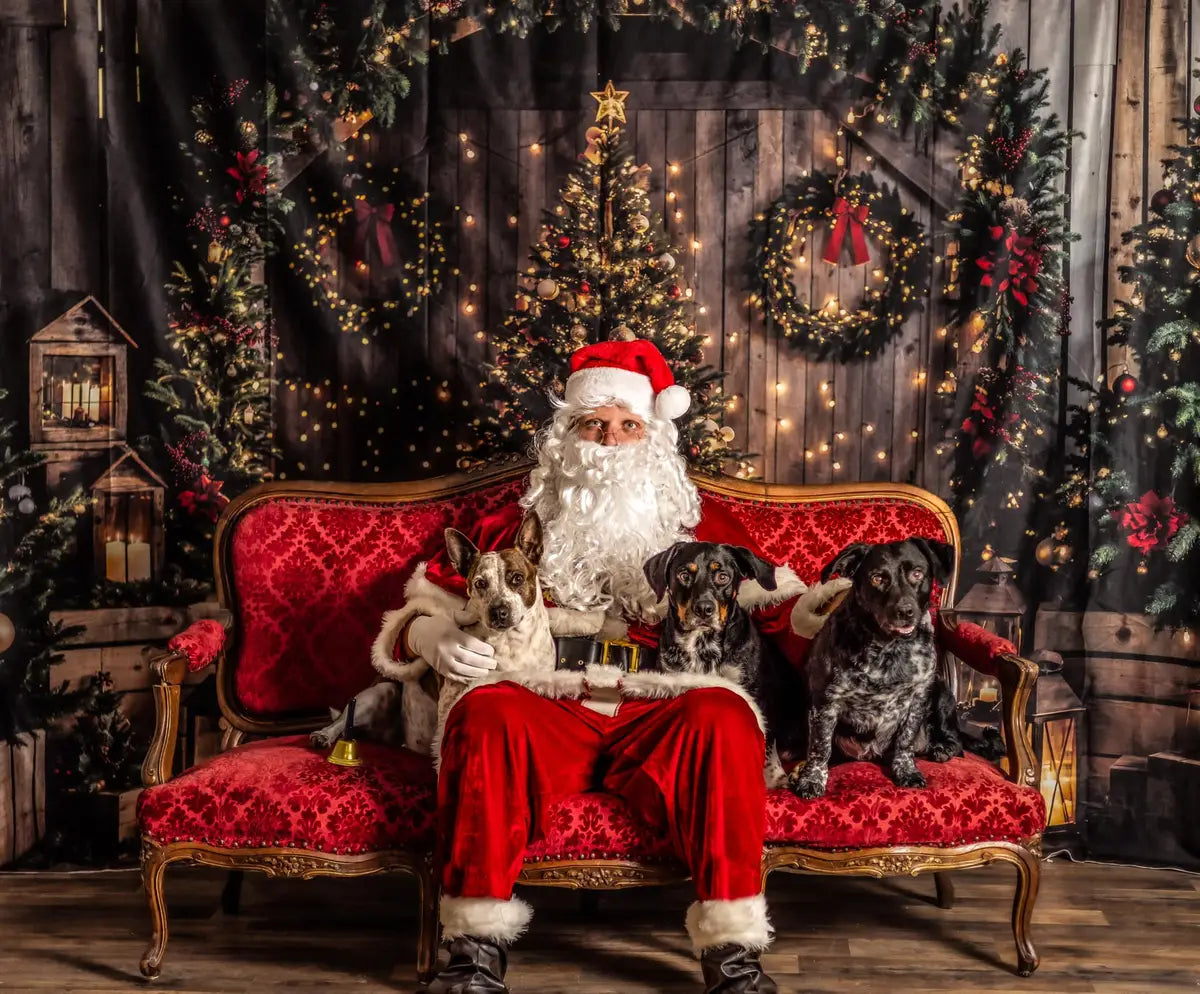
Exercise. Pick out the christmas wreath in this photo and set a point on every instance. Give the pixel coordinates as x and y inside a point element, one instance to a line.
<point>849,209</point>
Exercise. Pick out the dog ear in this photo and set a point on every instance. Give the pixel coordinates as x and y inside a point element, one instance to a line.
<point>462,551</point>
<point>940,555</point>
<point>847,562</point>
<point>657,568</point>
<point>529,538</point>
<point>752,567</point>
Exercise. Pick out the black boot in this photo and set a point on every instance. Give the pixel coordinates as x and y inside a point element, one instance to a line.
<point>476,967</point>
<point>734,969</point>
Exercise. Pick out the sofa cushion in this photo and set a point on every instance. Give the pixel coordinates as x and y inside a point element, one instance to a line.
<point>965,800</point>
<point>311,579</point>
<point>599,826</point>
<point>281,792</point>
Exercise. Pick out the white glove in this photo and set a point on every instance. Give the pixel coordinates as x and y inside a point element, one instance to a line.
<point>449,650</point>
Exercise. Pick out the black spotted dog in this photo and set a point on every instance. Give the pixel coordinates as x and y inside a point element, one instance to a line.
<point>706,630</point>
<point>873,686</point>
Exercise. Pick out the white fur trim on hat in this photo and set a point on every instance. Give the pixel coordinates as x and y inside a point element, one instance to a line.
<point>595,385</point>
<point>672,402</point>
<point>742,921</point>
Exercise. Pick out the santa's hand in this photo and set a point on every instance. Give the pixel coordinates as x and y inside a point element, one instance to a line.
<point>449,650</point>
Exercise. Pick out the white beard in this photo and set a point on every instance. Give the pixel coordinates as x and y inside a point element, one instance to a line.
<point>605,510</point>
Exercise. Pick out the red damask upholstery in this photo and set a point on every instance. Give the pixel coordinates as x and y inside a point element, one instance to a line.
<point>807,536</point>
<point>598,826</point>
<point>976,646</point>
<point>199,642</point>
<point>312,578</point>
<point>965,800</point>
<point>281,792</point>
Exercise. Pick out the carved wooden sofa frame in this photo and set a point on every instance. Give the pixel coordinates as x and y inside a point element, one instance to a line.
<point>1016,676</point>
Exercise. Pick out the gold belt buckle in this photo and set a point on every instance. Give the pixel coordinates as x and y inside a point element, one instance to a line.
<point>634,652</point>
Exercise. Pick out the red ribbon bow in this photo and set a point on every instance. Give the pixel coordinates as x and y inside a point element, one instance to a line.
<point>379,218</point>
<point>852,218</point>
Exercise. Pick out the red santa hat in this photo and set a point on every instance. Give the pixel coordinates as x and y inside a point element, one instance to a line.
<point>634,373</point>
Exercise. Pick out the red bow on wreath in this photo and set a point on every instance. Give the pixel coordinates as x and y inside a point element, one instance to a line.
<point>205,497</point>
<point>1150,521</point>
<point>379,219</point>
<point>851,218</point>
<point>1024,262</point>
<point>252,178</point>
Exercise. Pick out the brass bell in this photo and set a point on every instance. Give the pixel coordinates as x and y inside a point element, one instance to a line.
<point>345,750</point>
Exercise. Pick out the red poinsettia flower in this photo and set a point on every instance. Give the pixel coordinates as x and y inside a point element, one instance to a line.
<point>983,423</point>
<point>1150,521</point>
<point>1020,260</point>
<point>252,178</point>
<point>205,497</point>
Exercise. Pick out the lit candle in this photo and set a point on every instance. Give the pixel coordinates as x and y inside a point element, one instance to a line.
<point>66,400</point>
<point>139,561</point>
<point>92,398</point>
<point>114,561</point>
<point>987,694</point>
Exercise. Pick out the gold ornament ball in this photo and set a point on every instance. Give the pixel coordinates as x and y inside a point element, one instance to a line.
<point>639,223</point>
<point>1193,253</point>
<point>1044,552</point>
<point>726,434</point>
<point>624,333</point>
<point>1162,431</point>
<point>547,289</point>
<point>1142,569</point>
<point>8,634</point>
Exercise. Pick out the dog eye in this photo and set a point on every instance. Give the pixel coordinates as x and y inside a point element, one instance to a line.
<point>516,579</point>
<point>916,575</point>
<point>684,576</point>
<point>722,577</point>
<point>481,583</point>
<point>879,579</point>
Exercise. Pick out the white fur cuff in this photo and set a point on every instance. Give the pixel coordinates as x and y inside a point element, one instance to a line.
<point>484,918</point>
<point>741,922</point>
<point>752,595</point>
<point>813,608</point>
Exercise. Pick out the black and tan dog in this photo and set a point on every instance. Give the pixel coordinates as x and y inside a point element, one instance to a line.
<point>873,686</point>
<point>706,631</point>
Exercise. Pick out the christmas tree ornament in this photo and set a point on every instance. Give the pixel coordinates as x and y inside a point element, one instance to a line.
<point>639,223</point>
<point>1196,105</point>
<point>1125,384</point>
<point>547,289</point>
<point>26,505</point>
<point>249,133</point>
<point>612,103</point>
<point>585,287</point>
<point>1160,200</point>
<point>1044,552</point>
<point>623,333</point>
<point>1161,431</point>
<point>564,241</point>
<point>579,333</point>
<point>1192,254</point>
<point>18,490</point>
<point>1063,554</point>
<point>727,434</point>
<point>8,632</point>
<point>674,291</point>
<point>665,262</point>
<point>709,425</point>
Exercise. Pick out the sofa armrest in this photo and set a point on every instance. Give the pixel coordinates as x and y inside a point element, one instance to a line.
<point>192,650</point>
<point>994,656</point>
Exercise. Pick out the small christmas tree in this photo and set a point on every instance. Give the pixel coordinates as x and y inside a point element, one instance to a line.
<point>103,741</point>
<point>603,270</point>
<point>1148,488</point>
<point>38,544</point>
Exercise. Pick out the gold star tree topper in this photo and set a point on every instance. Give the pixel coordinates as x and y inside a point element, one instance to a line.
<point>612,103</point>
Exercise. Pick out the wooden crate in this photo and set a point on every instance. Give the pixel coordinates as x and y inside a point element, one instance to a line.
<point>22,795</point>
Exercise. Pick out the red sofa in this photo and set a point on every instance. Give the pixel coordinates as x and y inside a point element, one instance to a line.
<point>306,571</point>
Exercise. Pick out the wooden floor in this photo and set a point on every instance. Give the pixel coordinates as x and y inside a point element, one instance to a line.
<point>1098,928</point>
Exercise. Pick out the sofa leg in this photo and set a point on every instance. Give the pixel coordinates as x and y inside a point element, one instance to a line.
<point>231,893</point>
<point>429,929</point>
<point>154,865</point>
<point>1029,875</point>
<point>945,890</point>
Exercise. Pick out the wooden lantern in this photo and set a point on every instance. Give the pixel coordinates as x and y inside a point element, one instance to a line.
<point>996,605</point>
<point>127,518</point>
<point>1055,715</point>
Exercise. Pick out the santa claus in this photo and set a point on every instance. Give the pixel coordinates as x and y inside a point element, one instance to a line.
<point>685,751</point>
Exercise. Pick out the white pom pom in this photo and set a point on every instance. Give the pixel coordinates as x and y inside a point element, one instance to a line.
<point>672,402</point>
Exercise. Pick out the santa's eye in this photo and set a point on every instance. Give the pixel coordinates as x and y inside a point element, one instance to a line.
<point>722,577</point>
<point>516,579</point>
<point>879,579</point>
<point>481,583</point>
<point>632,426</point>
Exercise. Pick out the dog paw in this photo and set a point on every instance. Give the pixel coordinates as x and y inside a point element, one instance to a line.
<point>320,740</point>
<point>909,778</point>
<point>806,787</point>
<point>943,753</point>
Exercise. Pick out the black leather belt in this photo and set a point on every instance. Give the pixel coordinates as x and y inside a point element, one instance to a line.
<point>580,653</point>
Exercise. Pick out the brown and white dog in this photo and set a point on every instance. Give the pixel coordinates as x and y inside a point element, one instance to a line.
<point>505,609</point>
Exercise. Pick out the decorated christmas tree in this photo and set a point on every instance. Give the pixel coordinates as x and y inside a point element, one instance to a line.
<point>34,547</point>
<point>215,391</point>
<point>1146,474</point>
<point>603,270</point>
<point>103,743</point>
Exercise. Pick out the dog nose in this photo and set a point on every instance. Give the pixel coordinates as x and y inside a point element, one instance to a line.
<point>704,609</point>
<point>500,614</point>
<point>906,612</point>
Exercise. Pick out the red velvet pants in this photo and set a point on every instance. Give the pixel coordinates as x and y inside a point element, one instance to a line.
<point>693,763</point>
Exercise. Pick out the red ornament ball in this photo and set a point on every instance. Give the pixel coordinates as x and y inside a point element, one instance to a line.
<point>564,241</point>
<point>1158,203</point>
<point>1125,384</point>
<point>585,287</point>
<point>224,220</point>
<point>674,292</point>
